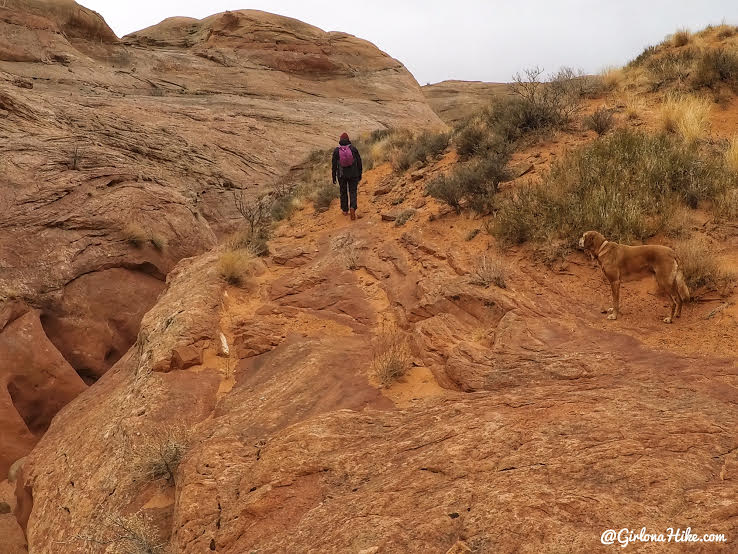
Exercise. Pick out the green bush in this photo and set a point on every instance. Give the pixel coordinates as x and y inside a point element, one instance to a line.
<point>626,185</point>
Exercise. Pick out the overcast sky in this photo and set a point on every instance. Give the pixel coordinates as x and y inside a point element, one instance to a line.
<point>473,40</point>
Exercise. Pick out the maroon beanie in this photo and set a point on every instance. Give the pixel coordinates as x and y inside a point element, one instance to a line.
<point>345,136</point>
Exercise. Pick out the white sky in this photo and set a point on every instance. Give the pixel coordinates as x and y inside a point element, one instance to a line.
<point>467,39</point>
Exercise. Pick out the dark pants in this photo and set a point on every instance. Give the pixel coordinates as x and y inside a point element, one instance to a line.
<point>349,187</point>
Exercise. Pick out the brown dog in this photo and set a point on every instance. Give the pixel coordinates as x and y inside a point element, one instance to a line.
<point>620,263</point>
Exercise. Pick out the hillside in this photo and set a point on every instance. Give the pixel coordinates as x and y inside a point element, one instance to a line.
<point>454,101</point>
<point>438,376</point>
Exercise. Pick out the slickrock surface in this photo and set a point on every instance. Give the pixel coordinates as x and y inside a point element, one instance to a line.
<point>119,158</point>
<point>527,424</point>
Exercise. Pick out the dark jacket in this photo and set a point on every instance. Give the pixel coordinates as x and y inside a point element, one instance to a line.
<point>353,172</point>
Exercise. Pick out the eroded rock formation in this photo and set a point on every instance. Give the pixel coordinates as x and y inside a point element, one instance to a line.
<point>545,431</point>
<point>119,158</point>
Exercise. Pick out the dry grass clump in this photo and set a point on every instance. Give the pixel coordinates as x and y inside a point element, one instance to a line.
<point>726,205</point>
<point>158,454</point>
<point>158,241</point>
<point>612,77</point>
<point>489,271</point>
<point>135,234</point>
<point>681,38</point>
<point>390,354</point>
<point>701,267</point>
<point>725,31</point>
<point>236,267</point>
<point>635,105</point>
<point>687,116</point>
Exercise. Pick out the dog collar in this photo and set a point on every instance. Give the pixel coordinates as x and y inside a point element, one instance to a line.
<point>602,247</point>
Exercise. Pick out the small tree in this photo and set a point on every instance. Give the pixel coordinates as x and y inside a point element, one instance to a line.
<point>257,212</point>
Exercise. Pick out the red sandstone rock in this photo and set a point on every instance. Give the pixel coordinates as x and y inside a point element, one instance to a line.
<point>35,383</point>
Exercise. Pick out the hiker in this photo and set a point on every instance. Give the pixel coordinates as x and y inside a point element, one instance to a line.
<point>347,169</point>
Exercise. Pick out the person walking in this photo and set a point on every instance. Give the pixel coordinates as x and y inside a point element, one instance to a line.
<point>347,170</point>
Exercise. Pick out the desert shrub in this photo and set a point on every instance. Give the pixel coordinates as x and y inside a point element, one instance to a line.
<point>539,104</point>
<point>474,182</point>
<point>430,145</point>
<point>324,195</point>
<point>643,57</point>
<point>236,266</point>
<point>489,271</point>
<point>158,454</point>
<point>379,134</point>
<point>469,138</point>
<point>726,31</point>
<point>701,267</point>
<point>681,38</point>
<point>132,534</point>
<point>716,66</point>
<point>404,217</point>
<point>390,355</point>
<point>446,190</point>
<point>687,116</point>
<point>282,208</point>
<point>601,121</point>
<point>422,148</point>
<point>625,185</point>
<point>671,66</point>
<point>512,118</point>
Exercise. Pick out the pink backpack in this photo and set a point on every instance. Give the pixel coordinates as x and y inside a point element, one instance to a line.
<point>345,156</point>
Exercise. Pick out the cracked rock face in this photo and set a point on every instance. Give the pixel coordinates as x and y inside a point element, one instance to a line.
<point>119,157</point>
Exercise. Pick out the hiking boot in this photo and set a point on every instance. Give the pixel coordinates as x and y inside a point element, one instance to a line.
<point>353,214</point>
<point>345,213</point>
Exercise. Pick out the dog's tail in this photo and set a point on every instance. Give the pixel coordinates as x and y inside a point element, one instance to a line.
<point>681,285</point>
